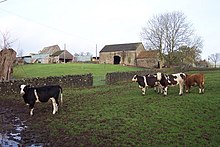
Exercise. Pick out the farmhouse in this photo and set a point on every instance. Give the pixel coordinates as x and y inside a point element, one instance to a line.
<point>133,54</point>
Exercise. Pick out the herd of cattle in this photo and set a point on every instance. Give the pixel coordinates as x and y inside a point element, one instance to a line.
<point>160,81</point>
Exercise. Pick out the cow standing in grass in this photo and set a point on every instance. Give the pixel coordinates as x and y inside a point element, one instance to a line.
<point>146,81</point>
<point>41,94</point>
<point>171,80</point>
<point>195,79</point>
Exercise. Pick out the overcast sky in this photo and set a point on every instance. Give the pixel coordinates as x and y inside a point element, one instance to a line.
<point>81,24</point>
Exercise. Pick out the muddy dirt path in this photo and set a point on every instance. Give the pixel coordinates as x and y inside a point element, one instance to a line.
<point>15,126</point>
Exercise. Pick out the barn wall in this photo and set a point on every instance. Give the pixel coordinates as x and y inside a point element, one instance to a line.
<point>69,81</point>
<point>106,57</point>
<point>147,62</point>
<point>140,49</point>
<point>127,57</point>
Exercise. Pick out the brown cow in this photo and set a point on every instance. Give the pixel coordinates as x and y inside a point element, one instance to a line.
<point>195,79</point>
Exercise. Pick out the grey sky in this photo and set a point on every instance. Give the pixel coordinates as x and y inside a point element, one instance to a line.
<point>83,24</point>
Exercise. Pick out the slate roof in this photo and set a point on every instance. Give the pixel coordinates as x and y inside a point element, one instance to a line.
<point>57,53</point>
<point>121,47</point>
<point>68,55</point>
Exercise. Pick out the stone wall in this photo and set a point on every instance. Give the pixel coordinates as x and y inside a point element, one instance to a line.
<point>115,77</point>
<point>68,81</point>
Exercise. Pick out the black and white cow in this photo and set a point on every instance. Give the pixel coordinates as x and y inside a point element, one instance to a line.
<point>146,81</point>
<point>41,94</point>
<point>171,80</point>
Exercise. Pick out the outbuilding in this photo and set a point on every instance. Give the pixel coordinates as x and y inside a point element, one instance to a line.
<point>132,54</point>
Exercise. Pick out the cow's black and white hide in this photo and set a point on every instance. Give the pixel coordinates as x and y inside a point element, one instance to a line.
<point>31,95</point>
<point>146,81</point>
<point>171,80</point>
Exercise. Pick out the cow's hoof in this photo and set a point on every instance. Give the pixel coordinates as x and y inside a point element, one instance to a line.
<point>180,94</point>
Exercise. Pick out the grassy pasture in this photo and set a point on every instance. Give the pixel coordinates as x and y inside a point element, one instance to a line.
<point>44,70</point>
<point>118,115</point>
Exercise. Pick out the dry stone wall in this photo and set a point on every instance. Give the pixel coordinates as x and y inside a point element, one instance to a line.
<point>68,81</point>
<point>115,77</point>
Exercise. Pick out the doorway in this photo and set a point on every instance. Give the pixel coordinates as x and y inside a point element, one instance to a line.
<point>117,60</point>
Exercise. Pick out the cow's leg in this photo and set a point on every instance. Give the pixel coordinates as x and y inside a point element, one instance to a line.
<point>143,90</point>
<point>200,90</point>
<point>57,102</point>
<point>181,89</point>
<point>165,91</point>
<point>160,89</point>
<point>155,88</point>
<point>188,89</point>
<point>31,106</point>
<point>200,87</point>
<point>203,88</point>
<point>32,112</point>
<point>55,107</point>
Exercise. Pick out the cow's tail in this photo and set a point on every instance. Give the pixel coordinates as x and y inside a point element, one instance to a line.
<point>61,94</point>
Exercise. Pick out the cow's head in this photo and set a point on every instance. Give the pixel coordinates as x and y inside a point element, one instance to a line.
<point>159,76</point>
<point>23,89</point>
<point>134,79</point>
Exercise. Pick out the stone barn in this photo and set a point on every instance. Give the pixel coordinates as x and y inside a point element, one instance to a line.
<point>121,53</point>
<point>132,54</point>
<point>149,59</point>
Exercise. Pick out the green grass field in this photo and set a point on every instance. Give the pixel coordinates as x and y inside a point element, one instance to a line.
<point>44,70</point>
<point>118,115</point>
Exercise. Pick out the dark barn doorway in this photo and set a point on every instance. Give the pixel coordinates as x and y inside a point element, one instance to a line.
<point>117,59</point>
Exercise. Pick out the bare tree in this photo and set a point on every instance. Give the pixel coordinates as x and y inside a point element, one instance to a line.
<point>168,32</point>
<point>153,34</point>
<point>6,40</point>
<point>214,58</point>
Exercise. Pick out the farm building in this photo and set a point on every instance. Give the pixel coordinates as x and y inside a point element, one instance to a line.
<point>44,54</point>
<point>133,54</point>
<point>149,59</point>
<point>61,56</point>
<point>52,54</point>
<point>83,57</point>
